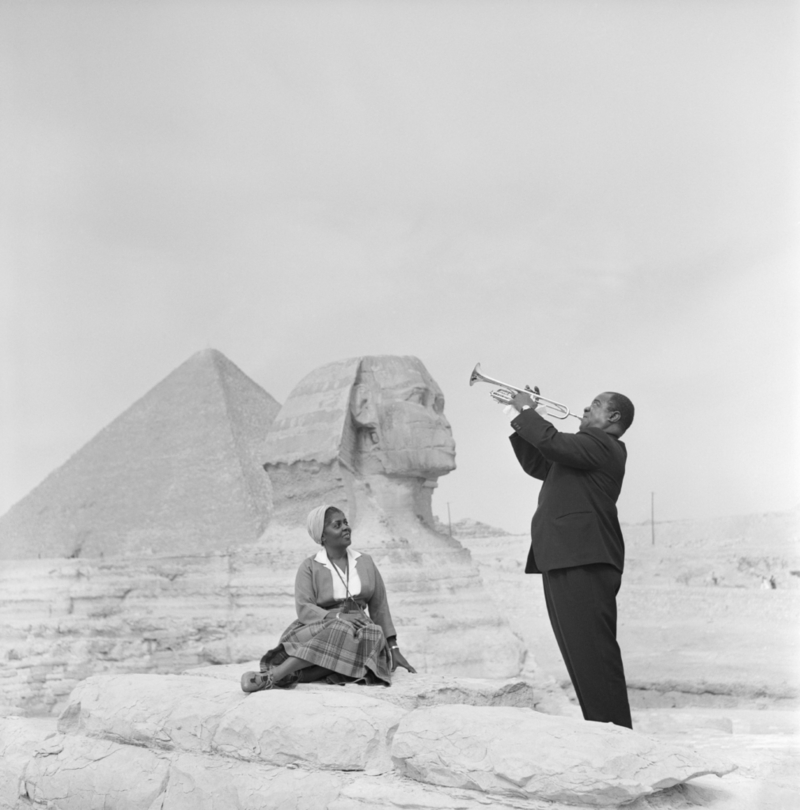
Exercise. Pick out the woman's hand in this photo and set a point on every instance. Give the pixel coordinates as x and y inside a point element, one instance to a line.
<point>399,660</point>
<point>356,619</point>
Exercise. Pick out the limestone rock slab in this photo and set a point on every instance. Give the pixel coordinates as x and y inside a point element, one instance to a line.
<point>279,727</point>
<point>199,782</point>
<point>81,773</point>
<point>85,768</point>
<point>289,749</point>
<point>166,711</point>
<point>393,792</point>
<point>19,739</point>
<point>519,753</point>
<point>330,730</point>
<point>64,620</point>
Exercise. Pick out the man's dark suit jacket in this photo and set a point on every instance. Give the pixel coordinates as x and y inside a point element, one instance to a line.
<point>576,520</point>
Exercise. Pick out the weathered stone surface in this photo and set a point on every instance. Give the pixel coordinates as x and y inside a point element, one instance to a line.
<point>209,783</point>
<point>63,620</point>
<point>81,776</point>
<point>393,792</point>
<point>195,741</point>
<point>174,473</point>
<point>524,754</point>
<point>19,739</point>
<point>80,773</point>
<point>332,730</point>
<point>279,727</point>
<point>167,711</point>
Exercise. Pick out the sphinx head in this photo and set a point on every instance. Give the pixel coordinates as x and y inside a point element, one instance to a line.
<point>367,433</point>
<point>397,413</point>
<point>375,415</point>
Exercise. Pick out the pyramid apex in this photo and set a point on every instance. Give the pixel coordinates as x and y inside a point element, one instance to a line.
<point>208,354</point>
<point>208,358</point>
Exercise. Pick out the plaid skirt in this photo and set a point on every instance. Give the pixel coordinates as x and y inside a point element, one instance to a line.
<point>335,644</point>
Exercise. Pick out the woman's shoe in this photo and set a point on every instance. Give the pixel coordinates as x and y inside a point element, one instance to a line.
<point>256,681</point>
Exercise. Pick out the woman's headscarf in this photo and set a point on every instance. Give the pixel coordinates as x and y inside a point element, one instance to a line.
<point>316,521</point>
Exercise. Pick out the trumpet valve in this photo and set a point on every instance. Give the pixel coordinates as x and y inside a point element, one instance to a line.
<point>503,395</point>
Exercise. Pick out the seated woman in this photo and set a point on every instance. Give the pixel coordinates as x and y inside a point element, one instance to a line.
<point>333,637</point>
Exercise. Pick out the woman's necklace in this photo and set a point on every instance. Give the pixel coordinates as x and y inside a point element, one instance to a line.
<point>348,598</point>
<point>347,572</point>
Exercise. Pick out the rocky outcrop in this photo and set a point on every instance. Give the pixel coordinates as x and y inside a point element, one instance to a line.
<point>172,742</point>
<point>63,620</point>
<point>505,752</point>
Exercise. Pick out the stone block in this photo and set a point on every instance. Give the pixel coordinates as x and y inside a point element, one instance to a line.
<point>80,773</point>
<point>280,727</point>
<point>166,711</point>
<point>337,729</point>
<point>392,792</point>
<point>523,754</point>
<point>19,739</point>
<point>209,783</point>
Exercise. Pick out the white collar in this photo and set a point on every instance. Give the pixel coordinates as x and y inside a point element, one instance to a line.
<point>322,557</point>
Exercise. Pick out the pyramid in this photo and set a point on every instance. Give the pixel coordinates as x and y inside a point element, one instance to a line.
<point>174,474</point>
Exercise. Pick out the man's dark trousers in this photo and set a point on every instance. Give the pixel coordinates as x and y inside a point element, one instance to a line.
<point>581,603</point>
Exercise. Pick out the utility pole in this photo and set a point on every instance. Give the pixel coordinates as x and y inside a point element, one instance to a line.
<point>652,518</point>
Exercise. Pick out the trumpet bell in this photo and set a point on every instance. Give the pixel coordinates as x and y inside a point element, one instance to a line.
<point>476,375</point>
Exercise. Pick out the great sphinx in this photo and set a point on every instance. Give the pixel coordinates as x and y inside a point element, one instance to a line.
<point>369,434</point>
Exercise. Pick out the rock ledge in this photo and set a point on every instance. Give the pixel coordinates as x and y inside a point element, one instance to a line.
<point>174,742</point>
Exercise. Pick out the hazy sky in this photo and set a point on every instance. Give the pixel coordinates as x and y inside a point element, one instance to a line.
<point>586,196</point>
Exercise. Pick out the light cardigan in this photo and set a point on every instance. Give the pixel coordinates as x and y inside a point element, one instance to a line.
<point>313,590</point>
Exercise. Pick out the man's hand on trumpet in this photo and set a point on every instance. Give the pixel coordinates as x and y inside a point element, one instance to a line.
<point>522,400</point>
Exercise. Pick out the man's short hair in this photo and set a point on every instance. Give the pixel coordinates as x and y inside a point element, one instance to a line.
<point>621,404</point>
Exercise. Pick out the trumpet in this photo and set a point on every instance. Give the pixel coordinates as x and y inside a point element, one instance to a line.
<point>505,393</point>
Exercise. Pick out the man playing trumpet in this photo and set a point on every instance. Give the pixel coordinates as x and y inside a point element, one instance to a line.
<point>576,541</point>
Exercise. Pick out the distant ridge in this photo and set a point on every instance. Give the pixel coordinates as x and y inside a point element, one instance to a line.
<point>173,474</point>
<point>719,532</point>
<point>467,527</point>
